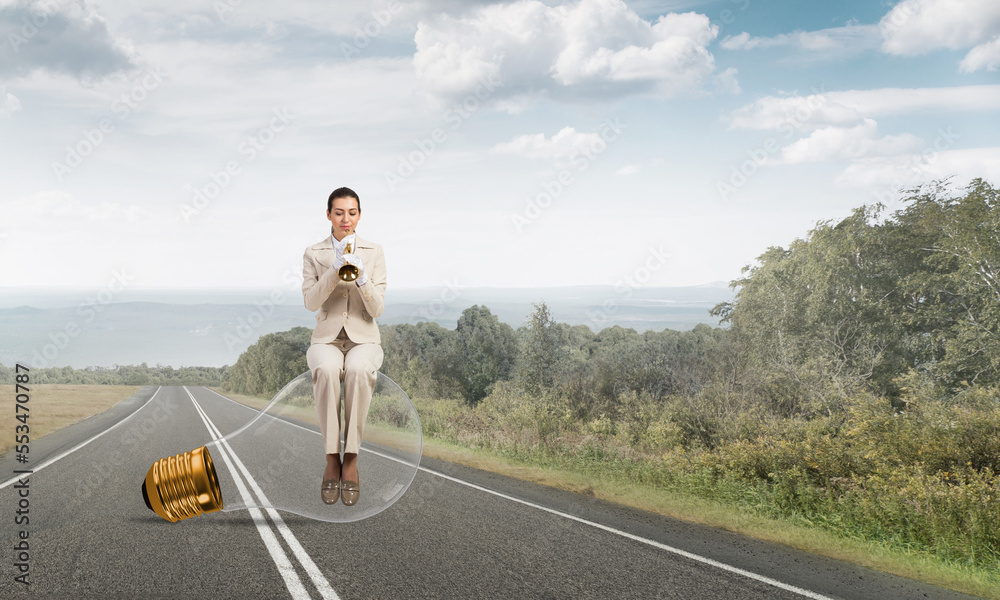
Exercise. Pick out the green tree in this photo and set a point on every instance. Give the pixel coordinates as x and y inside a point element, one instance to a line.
<point>819,320</point>
<point>955,295</point>
<point>860,303</point>
<point>487,352</point>
<point>542,350</point>
<point>422,359</point>
<point>266,366</point>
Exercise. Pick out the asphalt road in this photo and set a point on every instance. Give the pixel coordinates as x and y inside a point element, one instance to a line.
<point>456,533</point>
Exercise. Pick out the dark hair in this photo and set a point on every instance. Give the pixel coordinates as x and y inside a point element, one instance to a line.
<point>342,192</point>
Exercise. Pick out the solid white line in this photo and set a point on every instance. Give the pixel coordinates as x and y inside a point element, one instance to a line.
<point>684,553</point>
<point>285,567</point>
<point>240,404</point>
<point>376,453</point>
<point>696,557</point>
<point>314,572</point>
<point>80,445</point>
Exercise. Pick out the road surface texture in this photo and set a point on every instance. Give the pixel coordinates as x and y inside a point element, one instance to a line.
<point>456,533</point>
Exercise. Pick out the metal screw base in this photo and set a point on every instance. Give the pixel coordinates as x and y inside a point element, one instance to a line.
<point>182,486</point>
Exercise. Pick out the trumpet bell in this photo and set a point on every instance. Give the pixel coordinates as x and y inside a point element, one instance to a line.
<point>348,272</point>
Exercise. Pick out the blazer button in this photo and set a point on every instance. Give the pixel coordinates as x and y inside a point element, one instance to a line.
<point>346,294</point>
<point>345,314</point>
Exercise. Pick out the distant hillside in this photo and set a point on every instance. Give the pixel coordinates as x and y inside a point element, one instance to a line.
<point>212,328</point>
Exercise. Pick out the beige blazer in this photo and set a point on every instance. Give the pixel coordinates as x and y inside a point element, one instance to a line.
<point>343,304</point>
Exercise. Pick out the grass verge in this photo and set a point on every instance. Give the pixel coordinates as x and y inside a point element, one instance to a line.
<point>54,406</point>
<point>568,476</point>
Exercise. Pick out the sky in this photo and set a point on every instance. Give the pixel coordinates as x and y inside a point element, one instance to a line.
<point>192,144</point>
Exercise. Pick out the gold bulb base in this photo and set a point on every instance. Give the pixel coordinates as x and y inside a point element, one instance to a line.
<point>182,486</point>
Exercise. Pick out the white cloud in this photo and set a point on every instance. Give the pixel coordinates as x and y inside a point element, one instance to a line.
<point>68,38</point>
<point>897,101</point>
<point>565,144</point>
<point>741,41</point>
<point>915,27</point>
<point>628,170</point>
<point>160,19</point>
<point>841,125</point>
<point>849,38</point>
<point>727,82</point>
<point>985,56</point>
<point>840,143</point>
<point>58,207</point>
<point>597,48</point>
<point>851,107</point>
<point>795,112</point>
<point>8,103</point>
<point>885,176</point>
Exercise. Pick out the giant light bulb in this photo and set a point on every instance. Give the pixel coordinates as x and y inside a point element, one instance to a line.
<point>276,461</point>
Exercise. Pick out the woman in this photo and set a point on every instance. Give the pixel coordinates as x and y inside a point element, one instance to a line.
<point>345,345</point>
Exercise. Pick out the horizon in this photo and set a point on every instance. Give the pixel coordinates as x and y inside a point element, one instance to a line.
<point>78,329</point>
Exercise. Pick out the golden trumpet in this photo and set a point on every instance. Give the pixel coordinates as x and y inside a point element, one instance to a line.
<point>348,272</point>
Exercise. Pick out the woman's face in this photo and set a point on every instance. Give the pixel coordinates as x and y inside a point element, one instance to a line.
<point>344,215</point>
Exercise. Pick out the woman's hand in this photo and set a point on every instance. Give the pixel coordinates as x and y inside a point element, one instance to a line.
<point>354,259</point>
<point>339,247</point>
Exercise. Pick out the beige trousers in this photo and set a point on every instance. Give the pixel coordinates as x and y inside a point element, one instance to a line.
<point>356,365</point>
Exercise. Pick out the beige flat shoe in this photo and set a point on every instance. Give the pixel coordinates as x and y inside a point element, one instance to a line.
<point>330,491</point>
<point>350,493</point>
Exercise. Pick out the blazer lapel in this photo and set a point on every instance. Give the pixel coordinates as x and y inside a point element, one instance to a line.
<point>325,254</point>
<point>364,250</point>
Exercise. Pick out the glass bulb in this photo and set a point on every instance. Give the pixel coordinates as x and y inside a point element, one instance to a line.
<point>258,465</point>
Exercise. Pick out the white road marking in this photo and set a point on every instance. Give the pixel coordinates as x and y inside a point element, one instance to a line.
<point>654,543</point>
<point>80,445</point>
<point>309,565</point>
<point>690,555</point>
<point>314,572</point>
<point>285,567</point>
